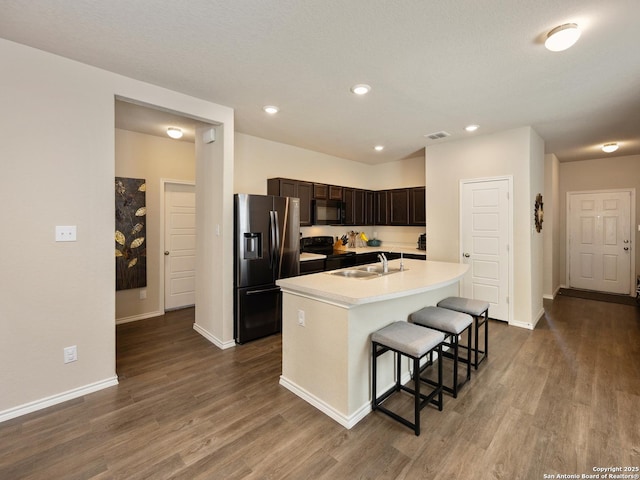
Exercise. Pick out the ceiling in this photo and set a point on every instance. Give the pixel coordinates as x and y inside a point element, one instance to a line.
<point>432,65</point>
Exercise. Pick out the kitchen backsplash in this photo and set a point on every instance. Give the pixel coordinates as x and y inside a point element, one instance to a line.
<point>388,234</point>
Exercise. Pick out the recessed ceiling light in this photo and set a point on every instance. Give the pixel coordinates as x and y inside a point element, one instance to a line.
<point>379,148</point>
<point>609,147</point>
<point>471,128</point>
<point>271,109</point>
<point>562,37</point>
<point>361,89</point>
<point>174,132</point>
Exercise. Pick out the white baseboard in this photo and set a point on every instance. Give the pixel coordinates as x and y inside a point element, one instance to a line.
<point>527,325</point>
<point>135,318</point>
<point>55,399</point>
<point>554,294</point>
<point>346,421</point>
<point>213,339</point>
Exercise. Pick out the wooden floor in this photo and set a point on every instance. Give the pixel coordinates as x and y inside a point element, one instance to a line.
<point>561,399</point>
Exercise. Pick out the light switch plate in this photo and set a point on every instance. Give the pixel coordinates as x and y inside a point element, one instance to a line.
<point>65,233</point>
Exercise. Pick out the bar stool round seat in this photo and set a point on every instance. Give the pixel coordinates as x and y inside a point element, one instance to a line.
<point>414,342</point>
<point>452,324</point>
<point>479,311</point>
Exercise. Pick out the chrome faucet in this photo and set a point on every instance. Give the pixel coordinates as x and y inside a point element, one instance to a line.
<point>401,262</point>
<point>385,263</point>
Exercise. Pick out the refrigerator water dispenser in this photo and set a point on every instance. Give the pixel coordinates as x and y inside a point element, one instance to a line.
<point>252,245</point>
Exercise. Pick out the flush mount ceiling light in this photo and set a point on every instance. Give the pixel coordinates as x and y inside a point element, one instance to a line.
<point>361,89</point>
<point>378,148</point>
<point>471,128</point>
<point>609,147</point>
<point>562,37</point>
<point>271,109</point>
<point>174,132</point>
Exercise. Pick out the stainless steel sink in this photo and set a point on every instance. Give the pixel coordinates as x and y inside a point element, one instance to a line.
<point>361,274</point>
<point>379,270</point>
<point>364,273</point>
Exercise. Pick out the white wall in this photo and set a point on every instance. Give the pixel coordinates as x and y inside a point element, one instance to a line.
<point>152,158</point>
<point>518,153</point>
<point>551,226</point>
<point>57,149</point>
<point>536,183</point>
<point>257,159</point>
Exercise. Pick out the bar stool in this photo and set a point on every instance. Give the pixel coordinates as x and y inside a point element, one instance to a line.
<point>452,325</point>
<point>414,342</point>
<point>479,311</point>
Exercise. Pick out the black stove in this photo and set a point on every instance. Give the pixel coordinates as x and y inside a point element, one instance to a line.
<point>323,245</point>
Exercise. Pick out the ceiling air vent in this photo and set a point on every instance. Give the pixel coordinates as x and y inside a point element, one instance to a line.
<point>438,135</point>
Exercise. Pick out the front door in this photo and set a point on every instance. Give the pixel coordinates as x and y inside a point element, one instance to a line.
<point>484,240</point>
<point>180,246</point>
<point>599,241</point>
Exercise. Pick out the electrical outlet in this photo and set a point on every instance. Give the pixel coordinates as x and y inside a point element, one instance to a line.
<point>143,294</point>
<point>70,354</point>
<point>301,321</point>
<point>66,233</point>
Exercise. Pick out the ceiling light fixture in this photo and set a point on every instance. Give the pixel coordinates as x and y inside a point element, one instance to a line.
<point>378,148</point>
<point>174,132</point>
<point>361,89</point>
<point>271,109</point>
<point>562,37</point>
<point>609,147</point>
<point>471,128</point>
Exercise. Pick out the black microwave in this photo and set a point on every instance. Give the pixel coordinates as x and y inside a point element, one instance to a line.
<point>328,212</point>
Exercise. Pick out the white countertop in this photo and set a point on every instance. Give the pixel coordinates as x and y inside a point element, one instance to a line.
<point>304,256</point>
<point>419,276</point>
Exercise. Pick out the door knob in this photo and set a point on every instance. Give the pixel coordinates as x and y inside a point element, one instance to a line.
<point>626,249</point>
<point>626,241</point>
<point>166,252</point>
<point>466,255</point>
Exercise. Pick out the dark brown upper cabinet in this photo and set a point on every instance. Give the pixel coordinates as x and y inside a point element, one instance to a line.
<point>381,211</point>
<point>399,206</point>
<point>320,191</point>
<point>355,205</point>
<point>284,187</point>
<point>417,206</point>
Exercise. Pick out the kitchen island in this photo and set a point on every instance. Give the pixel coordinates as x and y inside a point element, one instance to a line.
<point>327,320</point>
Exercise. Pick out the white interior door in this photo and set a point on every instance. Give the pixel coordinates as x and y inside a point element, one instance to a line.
<point>485,223</point>
<point>599,242</point>
<point>180,246</point>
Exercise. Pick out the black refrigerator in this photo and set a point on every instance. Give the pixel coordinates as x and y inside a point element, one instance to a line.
<point>267,247</point>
